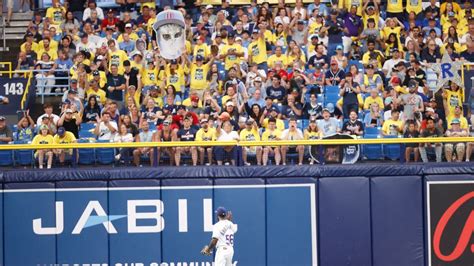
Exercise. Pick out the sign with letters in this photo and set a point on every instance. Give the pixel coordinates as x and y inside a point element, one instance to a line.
<point>450,212</point>
<point>448,70</point>
<point>155,226</point>
<point>13,89</point>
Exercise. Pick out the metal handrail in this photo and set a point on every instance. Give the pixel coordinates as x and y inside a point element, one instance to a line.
<point>4,34</point>
<point>42,87</point>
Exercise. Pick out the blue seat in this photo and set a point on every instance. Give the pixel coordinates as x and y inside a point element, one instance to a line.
<point>23,157</point>
<point>372,151</point>
<point>86,156</point>
<point>391,151</point>
<point>359,65</point>
<point>6,158</point>
<point>372,131</point>
<point>87,126</point>
<point>331,90</point>
<point>104,155</point>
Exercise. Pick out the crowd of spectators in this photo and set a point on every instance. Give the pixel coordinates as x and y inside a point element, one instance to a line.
<point>251,73</point>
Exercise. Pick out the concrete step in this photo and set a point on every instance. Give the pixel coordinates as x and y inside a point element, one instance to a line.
<point>26,16</point>
<point>15,30</point>
<point>14,36</point>
<point>19,23</point>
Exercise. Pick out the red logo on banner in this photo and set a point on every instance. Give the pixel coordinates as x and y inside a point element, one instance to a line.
<point>466,234</point>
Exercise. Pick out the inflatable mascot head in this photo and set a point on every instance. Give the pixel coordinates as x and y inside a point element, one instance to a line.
<point>170,33</point>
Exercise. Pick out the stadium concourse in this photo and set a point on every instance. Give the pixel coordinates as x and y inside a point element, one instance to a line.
<point>252,71</point>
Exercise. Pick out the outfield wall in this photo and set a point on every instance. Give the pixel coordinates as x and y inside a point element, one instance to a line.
<point>294,215</point>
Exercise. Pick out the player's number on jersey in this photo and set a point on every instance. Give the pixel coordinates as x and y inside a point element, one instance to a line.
<point>229,239</point>
<point>13,88</point>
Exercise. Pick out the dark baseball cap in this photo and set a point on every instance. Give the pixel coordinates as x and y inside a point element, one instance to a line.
<point>221,211</point>
<point>95,73</point>
<point>61,131</point>
<point>231,35</point>
<point>199,58</point>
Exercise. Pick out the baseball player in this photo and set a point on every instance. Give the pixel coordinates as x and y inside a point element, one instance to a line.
<point>222,238</point>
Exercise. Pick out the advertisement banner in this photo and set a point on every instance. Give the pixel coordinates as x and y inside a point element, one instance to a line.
<point>167,224</point>
<point>450,218</point>
<point>13,89</point>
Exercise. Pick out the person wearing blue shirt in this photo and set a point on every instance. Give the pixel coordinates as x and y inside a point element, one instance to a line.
<point>323,9</point>
<point>127,45</point>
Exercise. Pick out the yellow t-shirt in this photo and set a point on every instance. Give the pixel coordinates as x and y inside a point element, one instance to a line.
<point>117,58</point>
<point>414,5</point>
<point>311,135</point>
<point>375,16</point>
<point>369,100</point>
<point>177,80</point>
<point>149,25</point>
<point>99,94</point>
<point>453,99</point>
<point>283,59</point>
<point>53,54</point>
<point>202,135</point>
<point>52,45</point>
<point>462,119</point>
<point>187,102</point>
<point>291,58</point>
<point>198,77</point>
<point>40,139</point>
<point>271,135</point>
<point>138,66</point>
<point>258,50</point>
<point>102,80</point>
<point>133,36</point>
<point>395,6</point>
<point>202,50</point>
<point>280,125</point>
<point>279,39</point>
<point>150,77</point>
<point>230,60</point>
<point>347,4</point>
<point>68,138</point>
<point>34,47</point>
<point>55,15</point>
<point>249,135</point>
<point>388,123</point>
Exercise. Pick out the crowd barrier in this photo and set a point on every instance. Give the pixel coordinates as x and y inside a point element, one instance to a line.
<point>305,215</point>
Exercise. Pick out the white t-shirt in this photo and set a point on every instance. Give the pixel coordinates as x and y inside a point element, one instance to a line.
<point>104,131</point>
<point>55,119</point>
<point>125,138</point>
<point>292,135</point>
<point>224,231</point>
<point>224,136</point>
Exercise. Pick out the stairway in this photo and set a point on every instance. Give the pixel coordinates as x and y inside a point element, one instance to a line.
<point>12,37</point>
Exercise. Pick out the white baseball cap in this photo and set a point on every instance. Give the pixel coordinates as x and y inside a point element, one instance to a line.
<point>209,7</point>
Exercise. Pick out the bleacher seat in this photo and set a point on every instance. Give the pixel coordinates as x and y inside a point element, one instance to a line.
<point>86,156</point>
<point>23,157</point>
<point>391,151</point>
<point>372,151</point>
<point>6,158</point>
<point>105,155</point>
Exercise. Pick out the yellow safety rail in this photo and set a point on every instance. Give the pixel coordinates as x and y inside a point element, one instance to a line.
<point>232,143</point>
<point>10,68</point>
<point>25,93</point>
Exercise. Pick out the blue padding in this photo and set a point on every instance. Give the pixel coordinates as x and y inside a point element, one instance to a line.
<point>291,221</point>
<point>21,245</point>
<point>1,225</point>
<point>183,243</point>
<point>135,183</point>
<point>144,247</point>
<point>81,184</point>
<point>397,220</point>
<point>372,170</point>
<point>449,168</point>
<point>451,177</point>
<point>38,185</point>
<point>247,204</point>
<point>91,244</point>
<point>186,182</point>
<point>293,180</point>
<point>344,221</point>
<point>239,181</point>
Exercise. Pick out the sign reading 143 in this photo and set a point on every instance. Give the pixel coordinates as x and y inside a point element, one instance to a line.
<point>13,88</point>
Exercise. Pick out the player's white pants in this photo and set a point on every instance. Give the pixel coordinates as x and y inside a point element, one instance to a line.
<point>224,256</point>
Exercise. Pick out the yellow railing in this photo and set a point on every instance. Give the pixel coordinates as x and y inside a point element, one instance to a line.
<point>27,89</point>
<point>232,143</point>
<point>10,68</point>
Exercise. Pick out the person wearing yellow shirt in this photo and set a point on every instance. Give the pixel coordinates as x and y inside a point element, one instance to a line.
<point>453,6</point>
<point>278,57</point>
<point>373,98</point>
<point>453,97</point>
<point>414,6</point>
<point>137,61</point>
<point>56,13</point>
<point>395,9</point>
<point>174,73</point>
<point>393,126</point>
<point>274,112</point>
<point>250,133</point>
<point>151,21</point>
<point>393,26</point>
<point>348,4</point>
<point>201,48</point>
<point>30,40</point>
<point>63,137</point>
<point>371,11</point>
<point>271,134</point>
<point>198,76</point>
<point>150,76</point>
<point>99,77</point>
<point>45,47</point>
<point>258,49</point>
<point>205,133</point>
<point>231,52</point>
<point>455,114</point>
<point>280,36</point>
<point>372,54</point>
<point>129,31</point>
<point>94,90</point>
<point>43,138</point>
<point>116,56</point>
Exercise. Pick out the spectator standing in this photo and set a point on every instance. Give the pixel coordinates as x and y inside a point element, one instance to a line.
<point>225,132</point>
<point>105,127</point>
<point>353,126</point>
